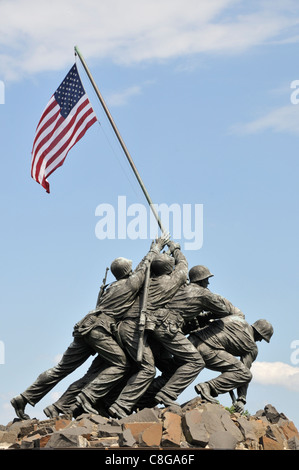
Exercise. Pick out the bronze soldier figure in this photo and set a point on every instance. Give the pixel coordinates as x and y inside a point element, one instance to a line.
<point>94,334</point>
<point>220,344</point>
<point>168,274</point>
<point>196,305</point>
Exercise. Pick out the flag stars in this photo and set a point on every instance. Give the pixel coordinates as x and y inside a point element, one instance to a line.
<point>69,92</point>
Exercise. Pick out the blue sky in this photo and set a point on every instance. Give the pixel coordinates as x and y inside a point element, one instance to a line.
<point>201,94</point>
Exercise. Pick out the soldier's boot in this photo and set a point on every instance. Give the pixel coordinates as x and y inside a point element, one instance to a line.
<point>19,402</point>
<point>204,390</point>
<point>165,400</point>
<point>117,412</point>
<point>51,411</point>
<point>85,404</point>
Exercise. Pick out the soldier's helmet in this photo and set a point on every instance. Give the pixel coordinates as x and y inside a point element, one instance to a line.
<point>264,328</point>
<point>121,267</point>
<point>198,273</point>
<point>162,264</point>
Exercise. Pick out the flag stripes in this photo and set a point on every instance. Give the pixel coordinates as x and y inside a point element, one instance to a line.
<point>56,135</point>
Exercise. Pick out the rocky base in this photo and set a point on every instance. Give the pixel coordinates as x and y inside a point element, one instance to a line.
<point>199,425</point>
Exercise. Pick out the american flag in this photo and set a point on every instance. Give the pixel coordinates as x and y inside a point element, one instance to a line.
<point>64,121</point>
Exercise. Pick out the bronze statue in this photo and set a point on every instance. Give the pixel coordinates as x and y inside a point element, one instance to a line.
<point>168,274</point>
<point>195,304</point>
<point>120,381</point>
<point>93,334</point>
<point>221,343</point>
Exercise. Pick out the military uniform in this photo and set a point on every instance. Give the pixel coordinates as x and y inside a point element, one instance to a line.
<point>221,344</point>
<point>191,301</point>
<point>93,334</point>
<point>120,296</point>
<point>165,327</point>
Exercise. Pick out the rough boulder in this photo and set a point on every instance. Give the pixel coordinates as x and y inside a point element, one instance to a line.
<point>198,425</point>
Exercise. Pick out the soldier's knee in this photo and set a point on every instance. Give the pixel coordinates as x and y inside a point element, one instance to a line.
<point>199,362</point>
<point>151,370</point>
<point>124,363</point>
<point>148,369</point>
<point>249,375</point>
<point>246,375</point>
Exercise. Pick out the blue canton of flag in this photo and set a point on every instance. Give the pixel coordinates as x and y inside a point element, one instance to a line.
<point>69,92</point>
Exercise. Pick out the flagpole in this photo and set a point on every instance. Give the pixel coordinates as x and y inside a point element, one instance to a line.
<point>123,145</point>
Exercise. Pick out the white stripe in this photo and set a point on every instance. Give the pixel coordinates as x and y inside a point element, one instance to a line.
<point>59,157</point>
<point>47,131</point>
<point>43,123</point>
<point>61,128</point>
<point>73,140</point>
<point>48,105</point>
<point>62,141</point>
<point>64,124</point>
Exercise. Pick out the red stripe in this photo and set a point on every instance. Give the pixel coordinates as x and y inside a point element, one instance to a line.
<point>41,127</point>
<point>66,129</point>
<point>48,109</point>
<point>48,123</point>
<point>88,125</point>
<point>65,145</point>
<point>52,146</point>
<point>47,137</point>
<point>45,122</point>
<point>60,120</point>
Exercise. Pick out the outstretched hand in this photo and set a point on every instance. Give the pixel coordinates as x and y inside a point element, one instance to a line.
<point>173,246</point>
<point>163,240</point>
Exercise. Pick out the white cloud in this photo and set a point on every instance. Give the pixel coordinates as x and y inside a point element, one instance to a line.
<point>284,120</point>
<point>38,35</point>
<point>121,98</point>
<point>276,373</point>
